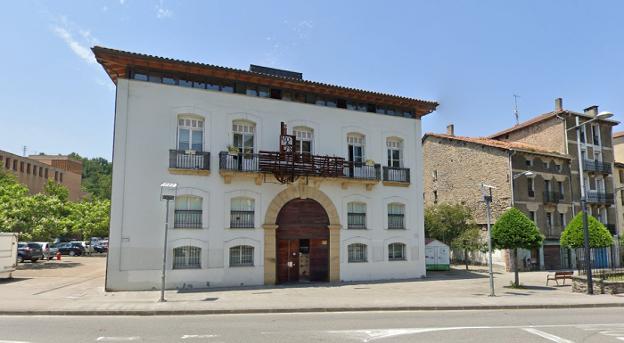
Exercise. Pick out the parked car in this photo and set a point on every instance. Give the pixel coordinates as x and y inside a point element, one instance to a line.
<point>101,246</point>
<point>71,249</point>
<point>87,248</point>
<point>49,250</point>
<point>29,251</point>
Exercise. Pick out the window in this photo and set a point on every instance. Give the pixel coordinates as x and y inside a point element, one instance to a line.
<point>558,167</point>
<point>356,213</point>
<point>41,171</point>
<point>549,220</point>
<point>561,189</point>
<point>396,216</point>
<point>531,187</point>
<point>356,144</point>
<point>305,137</point>
<point>435,175</point>
<point>34,170</point>
<point>260,91</point>
<point>547,165</point>
<point>28,168</point>
<point>357,253</point>
<point>435,197</point>
<point>243,133</point>
<point>188,212</point>
<point>598,156</point>
<point>188,257</point>
<point>61,177</point>
<point>394,148</point>
<point>583,134</point>
<point>562,221</point>
<point>396,252</point>
<point>46,173</point>
<point>190,134</point>
<point>241,256</point>
<point>596,134</point>
<point>55,175</point>
<point>532,216</point>
<point>242,212</point>
<point>7,163</point>
<point>15,165</point>
<point>528,163</point>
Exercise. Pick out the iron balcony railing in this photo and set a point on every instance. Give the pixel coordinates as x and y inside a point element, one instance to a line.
<point>189,159</point>
<point>304,163</point>
<point>596,197</point>
<point>597,166</point>
<point>188,219</point>
<point>356,221</point>
<point>241,219</point>
<point>396,174</point>
<point>552,197</point>
<point>396,221</point>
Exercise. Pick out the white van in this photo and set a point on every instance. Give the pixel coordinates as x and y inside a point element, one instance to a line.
<point>8,254</point>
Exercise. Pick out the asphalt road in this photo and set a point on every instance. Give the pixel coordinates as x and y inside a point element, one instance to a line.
<point>569,325</point>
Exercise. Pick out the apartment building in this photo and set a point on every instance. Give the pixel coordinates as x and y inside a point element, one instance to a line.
<point>618,152</point>
<point>35,171</point>
<point>533,179</point>
<point>279,179</point>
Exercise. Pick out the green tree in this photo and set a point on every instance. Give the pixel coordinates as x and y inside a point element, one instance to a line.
<point>57,190</point>
<point>573,236</point>
<point>445,222</point>
<point>89,218</point>
<point>13,211</point>
<point>514,230</point>
<point>468,241</point>
<point>96,176</point>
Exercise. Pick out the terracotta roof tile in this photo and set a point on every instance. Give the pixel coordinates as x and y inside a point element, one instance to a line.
<point>618,134</point>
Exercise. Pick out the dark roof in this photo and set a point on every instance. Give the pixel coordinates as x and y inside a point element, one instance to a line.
<point>117,62</point>
<point>543,117</point>
<point>503,145</point>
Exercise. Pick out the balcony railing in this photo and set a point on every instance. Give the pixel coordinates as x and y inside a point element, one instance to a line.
<point>597,166</point>
<point>595,197</point>
<point>189,159</point>
<point>188,219</point>
<point>553,231</point>
<point>552,197</point>
<point>395,174</point>
<point>242,219</point>
<point>356,221</point>
<point>302,164</point>
<point>396,221</point>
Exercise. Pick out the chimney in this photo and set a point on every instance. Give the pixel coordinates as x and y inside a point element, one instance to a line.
<point>559,104</point>
<point>591,111</point>
<point>450,130</point>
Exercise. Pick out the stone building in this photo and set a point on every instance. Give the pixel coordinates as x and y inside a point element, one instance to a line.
<point>455,167</point>
<point>35,171</point>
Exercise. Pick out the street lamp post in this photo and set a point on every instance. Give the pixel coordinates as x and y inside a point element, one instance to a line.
<point>487,197</point>
<point>587,249</point>
<point>167,193</point>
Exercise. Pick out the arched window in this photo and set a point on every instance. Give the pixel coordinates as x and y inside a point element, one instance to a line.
<point>190,133</point>
<point>242,212</point>
<point>188,257</point>
<point>356,215</point>
<point>188,212</point>
<point>396,216</point>
<point>394,147</point>
<point>243,132</point>
<point>305,137</point>
<point>357,253</point>
<point>241,256</point>
<point>396,252</point>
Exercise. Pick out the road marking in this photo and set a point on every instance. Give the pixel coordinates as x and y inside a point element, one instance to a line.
<point>117,339</point>
<point>198,336</point>
<point>3,341</point>
<point>376,334</point>
<point>547,335</point>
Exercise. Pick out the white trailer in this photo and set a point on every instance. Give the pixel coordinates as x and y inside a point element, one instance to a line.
<point>437,255</point>
<point>8,254</point>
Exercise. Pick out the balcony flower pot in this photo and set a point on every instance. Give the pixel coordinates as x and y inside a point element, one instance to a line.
<point>370,163</point>
<point>232,150</point>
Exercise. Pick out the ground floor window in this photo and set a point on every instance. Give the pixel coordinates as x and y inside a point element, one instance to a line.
<point>186,257</point>
<point>357,252</point>
<point>242,255</point>
<point>396,252</point>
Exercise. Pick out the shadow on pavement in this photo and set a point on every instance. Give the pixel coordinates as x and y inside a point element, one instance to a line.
<point>13,280</point>
<point>47,265</point>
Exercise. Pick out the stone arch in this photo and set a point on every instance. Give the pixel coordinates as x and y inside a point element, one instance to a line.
<point>300,191</point>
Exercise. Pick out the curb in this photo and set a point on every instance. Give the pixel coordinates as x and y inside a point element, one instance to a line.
<point>298,310</point>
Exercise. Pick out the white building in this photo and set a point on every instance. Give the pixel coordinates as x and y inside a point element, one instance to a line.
<point>345,205</point>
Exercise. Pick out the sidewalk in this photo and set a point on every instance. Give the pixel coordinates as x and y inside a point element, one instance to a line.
<point>75,286</point>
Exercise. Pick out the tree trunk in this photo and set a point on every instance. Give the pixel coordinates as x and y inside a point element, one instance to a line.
<point>516,276</point>
<point>466,258</point>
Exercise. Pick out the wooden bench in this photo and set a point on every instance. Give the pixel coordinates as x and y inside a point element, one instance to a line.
<point>559,276</point>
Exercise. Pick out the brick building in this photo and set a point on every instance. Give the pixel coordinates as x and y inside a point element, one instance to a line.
<point>36,170</point>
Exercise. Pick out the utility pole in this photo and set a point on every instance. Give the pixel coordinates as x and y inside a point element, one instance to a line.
<point>516,113</point>
<point>24,148</point>
<point>487,197</point>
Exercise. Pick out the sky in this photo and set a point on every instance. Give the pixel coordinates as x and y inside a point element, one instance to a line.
<point>470,56</point>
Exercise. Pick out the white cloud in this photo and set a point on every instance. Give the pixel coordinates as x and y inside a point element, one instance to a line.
<point>78,48</point>
<point>162,12</point>
<point>121,2</point>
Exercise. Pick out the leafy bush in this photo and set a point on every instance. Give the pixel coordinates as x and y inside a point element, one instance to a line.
<point>573,237</point>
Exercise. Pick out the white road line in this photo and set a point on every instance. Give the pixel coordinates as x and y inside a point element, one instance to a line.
<point>117,339</point>
<point>373,335</point>
<point>547,335</point>
<point>198,336</point>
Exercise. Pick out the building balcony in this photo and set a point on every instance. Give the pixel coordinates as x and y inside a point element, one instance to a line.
<point>595,197</point>
<point>187,219</point>
<point>396,176</point>
<point>553,232</point>
<point>189,162</point>
<point>552,197</point>
<point>597,167</point>
<point>295,165</point>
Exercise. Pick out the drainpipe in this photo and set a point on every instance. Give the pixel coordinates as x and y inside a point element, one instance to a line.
<point>511,179</point>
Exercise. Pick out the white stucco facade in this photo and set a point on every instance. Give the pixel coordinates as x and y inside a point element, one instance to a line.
<point>146,122</point>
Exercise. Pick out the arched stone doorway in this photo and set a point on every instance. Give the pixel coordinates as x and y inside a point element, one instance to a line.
<point>302,242</point>
<point>299,191</point>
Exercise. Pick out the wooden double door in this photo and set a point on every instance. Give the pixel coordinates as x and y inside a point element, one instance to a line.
<point>302,242</point>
